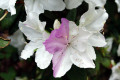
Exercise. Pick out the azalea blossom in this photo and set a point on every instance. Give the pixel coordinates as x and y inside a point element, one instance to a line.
<point>118,4</point>
<point>115,72</point>
<point>9,5</point>
<point>93,21</point>
<point>17,40</point>
<point>69,45</point>
<point>38,6</point>
<point>70,4</point>
<point>34,31</point>
<point>118,51</point>
<point>109,44</point>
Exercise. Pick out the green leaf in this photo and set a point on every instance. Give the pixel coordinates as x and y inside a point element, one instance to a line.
<point>106,62</point>
<point>10,75</point>
<point>4,42</point>
<point>77,74</point>
<point>72,15</point>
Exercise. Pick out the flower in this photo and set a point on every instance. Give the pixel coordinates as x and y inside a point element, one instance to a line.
<point>93,21</point>
<point>34,31</point>
<point>118,4</point>
<point>69,45</point>
<point>109,44</point>
<point>118,51</point>
<point>9,5</point>
<point>115,72</point>
<point>17,40</point>
<point>38,6</point>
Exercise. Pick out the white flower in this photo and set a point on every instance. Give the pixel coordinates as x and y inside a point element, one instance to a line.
<point>115,72</point>
<point>118,51</point>
<point>109,44</point>
<point>38,6</point>
<point>17,40</point>
<point>34,31</point>
<point>118,4</point>
<point>9,5</point>
<point>93,21</point>
<point>70,4</point>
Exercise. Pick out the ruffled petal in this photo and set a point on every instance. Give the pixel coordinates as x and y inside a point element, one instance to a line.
<point>70,4</point>
<point>61,63</point>
<point>97,40</point>
<point>93,20</point>
<point>29,49</point>
<point>53,5</point>
<point>81,59</point>
<point>43,57</point>
<point>31,34</point>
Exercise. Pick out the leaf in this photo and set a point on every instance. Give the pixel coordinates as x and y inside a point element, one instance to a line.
<point>4,42</point>
<point>106,62</point>
<point>10,75</point>
<point>77,74</point>
<point>72,15</point>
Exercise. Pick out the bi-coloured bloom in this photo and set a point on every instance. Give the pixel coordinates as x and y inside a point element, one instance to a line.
<point>118,4</point>
<point>8,5</point>
<point>115,72</point>
<point>69,45</point>
<point>38,6</point>
<point>34,31</point>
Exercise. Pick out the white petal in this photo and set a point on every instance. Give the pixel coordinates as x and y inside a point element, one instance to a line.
<point>9,5</point>
<point>29,32</point>
<point>118,4</point>
<point>17,40</point>
<point>81,59</point>
<point>33,6</point>
<point>118,51</point>
<point>93,20</point>
<point>73,30</point>
<point>70,4</point>
<point>43,57</point>
<point>29,49</point>
<point>99,3</point>
<point>109,44</point>
<point>80,40</point>
<point>91,52</point>
<point>53,5</point>
<point>61,63</point>
<point>97,40</point>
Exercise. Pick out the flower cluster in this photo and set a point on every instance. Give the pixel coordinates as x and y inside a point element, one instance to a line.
<point>68,43</point>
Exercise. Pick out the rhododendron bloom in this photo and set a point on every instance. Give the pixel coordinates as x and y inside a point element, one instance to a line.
<point>9,5</point>
<point>34,31</point>
<point>69,45</point>
<point>115,72</point>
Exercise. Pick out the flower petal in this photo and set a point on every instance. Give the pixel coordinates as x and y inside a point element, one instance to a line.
<point>70,4</point>
<point>53,5</point>
<point>118,4</point>
<point>93,20</point>
<point>97,40</point>
<point>118,51</point>
<point>58,38</point>
<point>81,59</point>
<point>43,57</point>
<point>31,34</point>
<point>33,6</point>
<point>29,49</point>
<point>61,63</point>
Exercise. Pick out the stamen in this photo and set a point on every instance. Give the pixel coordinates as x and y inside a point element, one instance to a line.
<point>5,14</point>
